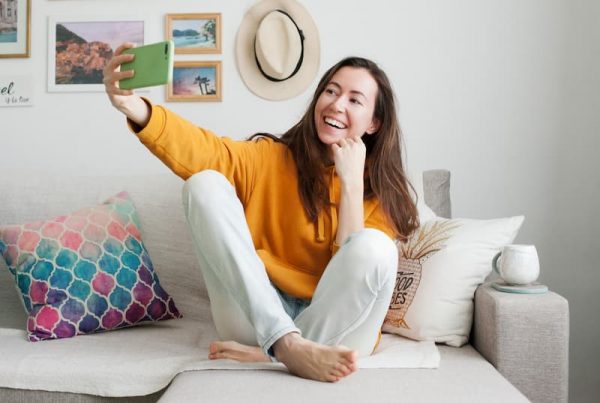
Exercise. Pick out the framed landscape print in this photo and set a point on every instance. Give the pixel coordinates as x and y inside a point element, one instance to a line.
<point>15,17</point>
<point>195,81</point>
<point>79,48</point>
<point>195,33</point>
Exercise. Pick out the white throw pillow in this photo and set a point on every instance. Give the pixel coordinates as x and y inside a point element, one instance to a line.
<point>439,268</point>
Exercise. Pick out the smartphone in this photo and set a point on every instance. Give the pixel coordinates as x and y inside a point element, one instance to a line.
<point>153,65</point>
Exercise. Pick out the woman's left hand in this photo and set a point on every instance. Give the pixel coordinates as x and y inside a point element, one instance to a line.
<point>349,157</point>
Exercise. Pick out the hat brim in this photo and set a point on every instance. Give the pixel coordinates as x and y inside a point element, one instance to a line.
<point>246,61</point>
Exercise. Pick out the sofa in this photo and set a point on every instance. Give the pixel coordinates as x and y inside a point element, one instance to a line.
<point>518,348</point>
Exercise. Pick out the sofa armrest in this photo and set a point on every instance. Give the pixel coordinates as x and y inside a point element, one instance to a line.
<point>526,337</point>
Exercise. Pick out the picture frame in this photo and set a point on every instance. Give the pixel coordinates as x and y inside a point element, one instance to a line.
<point>195,33</point>
<point>195,82</point>
<point>80,47</point>
<point>15,29</point>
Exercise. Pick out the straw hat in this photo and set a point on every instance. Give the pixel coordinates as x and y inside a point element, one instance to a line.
<point>277,49</point>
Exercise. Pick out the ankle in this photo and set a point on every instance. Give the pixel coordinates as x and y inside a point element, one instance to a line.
<point>284,343</point>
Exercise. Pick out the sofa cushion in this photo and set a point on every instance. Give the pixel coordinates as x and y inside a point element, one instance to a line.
<point>85,272</point>
<point>463,376</point>
<point>439,268</point>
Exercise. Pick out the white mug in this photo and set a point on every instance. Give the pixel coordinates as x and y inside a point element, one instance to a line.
<point>517,264</point>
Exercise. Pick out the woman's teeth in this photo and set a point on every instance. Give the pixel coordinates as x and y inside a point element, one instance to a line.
<point>335,123</point>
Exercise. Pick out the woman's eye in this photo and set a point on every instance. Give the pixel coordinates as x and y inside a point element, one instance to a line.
<point>355,101</point>
<point>330,91</point>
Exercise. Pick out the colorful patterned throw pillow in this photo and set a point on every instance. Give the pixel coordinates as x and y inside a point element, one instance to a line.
<point>86,272</point>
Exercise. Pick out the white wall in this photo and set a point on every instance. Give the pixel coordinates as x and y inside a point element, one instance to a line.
<point>503,93</point>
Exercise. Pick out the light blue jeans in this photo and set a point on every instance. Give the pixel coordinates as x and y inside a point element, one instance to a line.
<point>348,306</point>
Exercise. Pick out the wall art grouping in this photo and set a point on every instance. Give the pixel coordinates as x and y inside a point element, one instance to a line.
<point>80,47</point>
<point>195,33</point>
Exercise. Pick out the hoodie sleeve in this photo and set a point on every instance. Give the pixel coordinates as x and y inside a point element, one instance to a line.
<point>187,149</point>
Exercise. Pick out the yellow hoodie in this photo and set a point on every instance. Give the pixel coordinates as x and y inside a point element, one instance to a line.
<point>293,248</point>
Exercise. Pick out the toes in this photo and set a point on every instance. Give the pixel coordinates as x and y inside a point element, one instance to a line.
<point>344,370</point>
<point>333,377</point>
<point>350,360</point>
<point>214,347</point>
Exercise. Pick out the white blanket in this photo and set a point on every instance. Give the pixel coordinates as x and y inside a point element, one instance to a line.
<point>144,359</point>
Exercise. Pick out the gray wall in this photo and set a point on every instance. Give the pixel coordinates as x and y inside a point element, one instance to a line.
<point>504,93</point>
<point>573,239</point>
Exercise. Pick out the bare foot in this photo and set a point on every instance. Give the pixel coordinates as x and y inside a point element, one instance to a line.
<point>311,360</point>
<point>236,351</point>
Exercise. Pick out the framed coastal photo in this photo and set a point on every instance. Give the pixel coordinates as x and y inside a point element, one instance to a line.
<point>15,20</point>
<point>79,48</point>
<point>195,33</point>
<point>195,81</point>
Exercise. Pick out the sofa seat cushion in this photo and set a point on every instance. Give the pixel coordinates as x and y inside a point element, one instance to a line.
<point>463,376</point>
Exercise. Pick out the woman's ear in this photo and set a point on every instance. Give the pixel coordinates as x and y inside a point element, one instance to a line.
<point>375,124</point>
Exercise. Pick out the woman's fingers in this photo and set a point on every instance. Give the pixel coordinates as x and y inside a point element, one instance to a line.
<point>114,64</point>
<point>110,82</point>
<point>117,76</point>
<point>126,45</point>
<point>118,91</point>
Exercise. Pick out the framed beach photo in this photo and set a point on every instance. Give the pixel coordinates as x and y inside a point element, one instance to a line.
<point>195,33</point>
<point>195,81</point>
<point>15,20</point>
<point>79,48</point>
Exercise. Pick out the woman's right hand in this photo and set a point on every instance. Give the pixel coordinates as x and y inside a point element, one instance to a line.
<point>125,101</point>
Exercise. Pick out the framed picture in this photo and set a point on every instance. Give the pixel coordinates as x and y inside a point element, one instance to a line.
<point>195,33</point>
<point>195,81</point>
<point>79,48</point>
<point>15,20</point>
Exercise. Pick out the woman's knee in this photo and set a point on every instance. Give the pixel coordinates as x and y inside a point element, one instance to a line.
<point>205,189</point>
<point>373,243</point>
<point>373,249</point>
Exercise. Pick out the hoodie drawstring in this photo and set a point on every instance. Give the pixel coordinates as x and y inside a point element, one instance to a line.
<point>332,212</point>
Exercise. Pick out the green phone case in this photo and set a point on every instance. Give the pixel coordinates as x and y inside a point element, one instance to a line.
<point>153,65</point>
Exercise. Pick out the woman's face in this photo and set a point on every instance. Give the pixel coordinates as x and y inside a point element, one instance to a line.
<point>345,108</point>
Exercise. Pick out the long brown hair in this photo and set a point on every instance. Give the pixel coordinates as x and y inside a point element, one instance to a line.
<point>384,179</point>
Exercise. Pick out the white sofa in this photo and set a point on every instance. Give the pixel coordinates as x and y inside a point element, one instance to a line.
<point>518,350</point>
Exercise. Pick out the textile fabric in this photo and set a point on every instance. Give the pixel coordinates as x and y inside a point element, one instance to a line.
<point>264,175</point>
<point>439,268</point>
<point>348,305</point>
<point>527,338</point>
<point>85,272</point>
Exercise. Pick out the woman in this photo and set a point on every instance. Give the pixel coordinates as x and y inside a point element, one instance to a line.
<point>294,235</point>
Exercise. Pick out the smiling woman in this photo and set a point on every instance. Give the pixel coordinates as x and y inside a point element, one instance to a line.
<point>283,225</point>
<point>345,109</point>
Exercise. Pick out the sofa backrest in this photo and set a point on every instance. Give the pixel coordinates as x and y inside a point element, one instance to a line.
<point>163,224</point>
<point>164,229</point>
<point>436,190</point>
